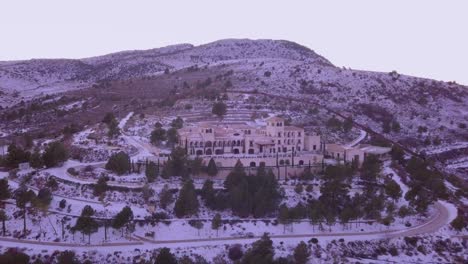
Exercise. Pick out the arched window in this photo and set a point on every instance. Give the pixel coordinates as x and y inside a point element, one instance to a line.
<point>219,152</point>
<point>281,162</point>
<point>251,151</point>
<point>287,162</point>
<point>253,164</point>
<point>199,152</point>
<point>208,144</point>
<point>208,152</point>
<point>236,151</point>
<point>301,162</point>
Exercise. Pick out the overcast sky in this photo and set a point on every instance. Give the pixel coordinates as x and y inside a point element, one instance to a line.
<point>427,38</point>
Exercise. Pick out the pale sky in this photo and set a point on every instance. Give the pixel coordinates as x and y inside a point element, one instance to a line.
<point>426,38</point>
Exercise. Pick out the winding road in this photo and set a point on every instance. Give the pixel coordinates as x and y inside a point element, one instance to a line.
<point>441,218</point>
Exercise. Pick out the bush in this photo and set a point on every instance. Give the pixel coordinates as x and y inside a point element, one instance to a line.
<point>313,240</point>
<point>393,251</point>
<point>235,252</point>
<point>73,172</point>
<point>299,188</point>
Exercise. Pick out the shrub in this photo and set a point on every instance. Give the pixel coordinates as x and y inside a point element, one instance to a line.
<point>63,203</point>
<point>72,171</point>
<point>235,252</point>
<point>313,240</point>
<point>393,251</point>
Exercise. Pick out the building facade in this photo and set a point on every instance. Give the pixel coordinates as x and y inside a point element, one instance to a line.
<point>274,144</point>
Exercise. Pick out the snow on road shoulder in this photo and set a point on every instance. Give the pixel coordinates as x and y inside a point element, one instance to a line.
<point>452,210</point>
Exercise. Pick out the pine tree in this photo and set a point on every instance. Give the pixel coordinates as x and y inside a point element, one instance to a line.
<point>177,123</point>
<point>151,171</point>
<point>176,164</point>
<point>187,202</point>
<point>158,135</point>
<point>283,216</point>
<point>208,194</point>
<point>54,154</point>
<point>240,199</point>
<point>219,109</point>
<point>16,155</point>
<point>123,218</point>
<point>36,160</point>
<point>262,252</point>
<point>172,136</point>
<point>23,197</point>
<point>100,187</point>
<point>4,189</point>
<point>43,199</point>
<point>113,128</point>
<point>165,197</point>
<point>196,165</point>
<point>3,218</point>
<point>301,253</point>
<point>119,163</point>
<point>393,189</point>
<point>235,176</point>
<point>212,169</point>
<point>165,257</point>
<point>216,223</point>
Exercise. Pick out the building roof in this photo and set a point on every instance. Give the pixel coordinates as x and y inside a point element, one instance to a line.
<point>275,119</point>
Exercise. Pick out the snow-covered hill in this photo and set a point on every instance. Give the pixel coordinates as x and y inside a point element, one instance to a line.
<point>427,110</point>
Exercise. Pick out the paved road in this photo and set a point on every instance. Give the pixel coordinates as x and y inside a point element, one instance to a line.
<point>441,218</point>
<point>437,221</point>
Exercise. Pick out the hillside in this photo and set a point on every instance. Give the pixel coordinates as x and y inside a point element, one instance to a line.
<point>423,114</point>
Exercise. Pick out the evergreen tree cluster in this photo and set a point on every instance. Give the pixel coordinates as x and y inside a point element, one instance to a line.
<point>426,185</point>
<point>119,163</point>
<point>53,155</point>
<point>255,195</point>
<point>85,223</point>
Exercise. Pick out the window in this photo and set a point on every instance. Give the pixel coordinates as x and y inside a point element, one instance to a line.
<point>279,134</point>
<point>279,141</point>
<point>315,147</point>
